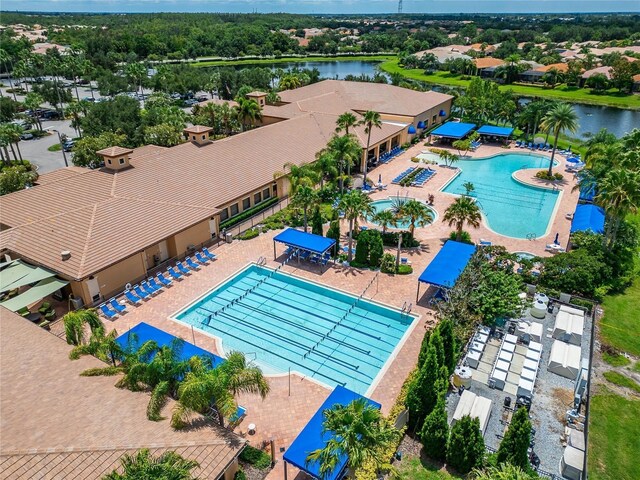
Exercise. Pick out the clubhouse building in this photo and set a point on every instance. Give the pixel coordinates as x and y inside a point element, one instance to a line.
<point>98,230</point>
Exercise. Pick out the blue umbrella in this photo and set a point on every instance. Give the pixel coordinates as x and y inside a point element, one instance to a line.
<point>557,240</point>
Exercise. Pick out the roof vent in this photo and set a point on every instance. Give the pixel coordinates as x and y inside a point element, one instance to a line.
<point>65,254</point>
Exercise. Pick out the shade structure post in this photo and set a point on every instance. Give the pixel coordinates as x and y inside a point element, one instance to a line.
<point>274,249</point>
<point>418,293</point>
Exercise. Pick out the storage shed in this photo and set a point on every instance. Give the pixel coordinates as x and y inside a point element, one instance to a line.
<point>569,325</point>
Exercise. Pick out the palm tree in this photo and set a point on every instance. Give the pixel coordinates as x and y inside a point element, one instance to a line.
<point>386,219</point>
<point>347,151</point>
<point>417,213</point>
<point>619,195</point>
<point>5,60</point>
<point>560,118</point>
<point>137,72</point>
<point>169,465</point>
<point>75,322</point>
<point>305,198</point>
<point>12,133</point>
<point>205,388</point>
<point>370,121</point>
<point>210,110</point>
<point>304,174</point>
<point>248,109</point>
<point>346,121</point>
<point>325,165</point>
<point>355,205</point>
<point>75,109</point>
<point>359,433</point>
<point>33,101</point>
<point>462,210</point>
<point>101,346</point>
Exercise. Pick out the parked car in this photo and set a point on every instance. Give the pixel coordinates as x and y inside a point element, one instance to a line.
<point>88,99</point>
<point>26,136</point>
<point>202,97</point>
<point>67,145</point>
<point>51,115</point>
<point>190,102</point>
<point>176,96</point>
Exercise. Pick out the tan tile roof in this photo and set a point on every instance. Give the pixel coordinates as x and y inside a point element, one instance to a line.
<point>362,96</point>
<point>606,71</point>
<point>56,424</point>
<point>198,129</point>
<point>60,174</point>
<point>114,151</point>
<point>487,62</point>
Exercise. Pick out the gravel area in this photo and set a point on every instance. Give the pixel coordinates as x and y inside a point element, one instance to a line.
<point>254,473</point>
<point>552,398</point>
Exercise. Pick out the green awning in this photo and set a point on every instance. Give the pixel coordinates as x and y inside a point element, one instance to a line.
<point>34,294</point>
<point>20,273</point>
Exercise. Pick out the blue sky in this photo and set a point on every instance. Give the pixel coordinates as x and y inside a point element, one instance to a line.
<point>324,6</point>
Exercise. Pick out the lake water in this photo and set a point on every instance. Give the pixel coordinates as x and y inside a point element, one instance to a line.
<point>591,118</point>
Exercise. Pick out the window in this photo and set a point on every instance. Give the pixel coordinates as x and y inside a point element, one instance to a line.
<point>193,137</point>
<point>224,214</point>
<point>109,161</point>
<point>275,189</point>
<point>266,193</point>
<point>122,161</point>
<point>234,209</point>
<point>433,120</point>
<point>246,203</point>
<point>204,137</point>
<point>257,198</point>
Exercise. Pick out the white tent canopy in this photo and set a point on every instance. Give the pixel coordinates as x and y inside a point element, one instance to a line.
<point>569,325</point>
<point>474,406</point>
<point>533,329</point>
<point>564,359</point>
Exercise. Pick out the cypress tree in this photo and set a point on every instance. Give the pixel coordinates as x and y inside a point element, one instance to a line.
<point>334,232</point>
<point>424,348</point>
<point>362,249</point>
<point>449,343</point>
<point>436,341</point>
<point>465,448</point>
<point>515,444</point>
<point>435,432</point>
<point>424,391</point>
<point>376,248</point>
<point>316,221</point>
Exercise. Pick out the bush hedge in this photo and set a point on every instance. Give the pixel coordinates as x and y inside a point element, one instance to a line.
<point>255,457</point>
<point>249,234</point>
<point>248,213</point>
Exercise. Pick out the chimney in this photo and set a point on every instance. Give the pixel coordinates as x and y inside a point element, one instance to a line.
<point>115,158</point>
<point>65,254</point>
<point>198,134</point>
<point>259,97</point>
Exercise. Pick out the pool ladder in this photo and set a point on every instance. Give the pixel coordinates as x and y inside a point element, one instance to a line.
<point>406,308</point>
<point>531,236</point>
<point>261,261</point>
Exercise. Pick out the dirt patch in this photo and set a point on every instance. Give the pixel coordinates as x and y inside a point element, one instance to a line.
<point>563,399</point>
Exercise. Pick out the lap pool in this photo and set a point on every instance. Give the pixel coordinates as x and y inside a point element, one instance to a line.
<point>289,323</point>
<point>509,207</point>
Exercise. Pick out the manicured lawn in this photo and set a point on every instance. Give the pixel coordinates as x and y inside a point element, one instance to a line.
<point>622,381</point>
<point>267,61</point>
<point>615,360</point>
<point>414,469</point>
<point>614,437</point>
<point>55,147</point>
<point>561,92</point>
<point>620,326</point>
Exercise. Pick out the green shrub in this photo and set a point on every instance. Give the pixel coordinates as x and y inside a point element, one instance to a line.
<point>334,232</point>
<point>435,432</point>
<point>465,237</point>
<point>362,249</point>
<point>390,239</point>
<point>255,457</point>
<point>376,248</point>
<point>56,147</point>
<point>316,221</point>
<point>588,304</point>
<point>249,213</point>
<point>465,448</point>
<point>544,175</point>
<point>388,263</point>
<point>515,443</point>
<point>249,234</point>
<point>240,475</point>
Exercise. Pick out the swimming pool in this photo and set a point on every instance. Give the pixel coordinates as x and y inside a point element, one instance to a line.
<point>386,204</point>
<point>510,207</point>
<point>289,323</point>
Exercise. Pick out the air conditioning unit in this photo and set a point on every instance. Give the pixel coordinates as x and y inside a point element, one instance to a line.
<point>77,303</point>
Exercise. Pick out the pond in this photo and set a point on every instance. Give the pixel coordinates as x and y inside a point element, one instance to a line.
<point>335,70</point>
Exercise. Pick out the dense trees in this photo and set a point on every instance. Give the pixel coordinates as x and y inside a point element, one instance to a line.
<point>465,448</point>
<point>515,444</point>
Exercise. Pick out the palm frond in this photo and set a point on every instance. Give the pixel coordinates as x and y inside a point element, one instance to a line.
<point>101,371</point>
<point>158,400</point>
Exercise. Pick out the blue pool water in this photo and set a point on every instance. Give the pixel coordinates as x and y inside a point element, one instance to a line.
<point>380,205</point>
<point>289,323</point>
<point>509,207</point>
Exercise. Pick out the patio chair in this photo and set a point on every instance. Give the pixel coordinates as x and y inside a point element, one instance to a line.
<point>208,254</point>
<point>153,284</point>
<point>485,243</point>
<point>107,312</point>
<point>148,288</point>
<point>191,264</point>
<point>200,258</point>
<point>182,269</point>
<point>140,292</point>
<point>132,297</point>
<point>405,261</point>
<point>117,306</point>
<point>175,274</point>
<point>164,280</point>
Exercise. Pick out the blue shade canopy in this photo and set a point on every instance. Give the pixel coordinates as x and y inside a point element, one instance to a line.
<point>421,124</point>
<point>453,130</point>
<point>448,264</point>
<point>311,437</point>
<point>412,129</point>
<point>495,131</point>
<point>588,217</point>
<point>145,332</point>
<point>305,241</point>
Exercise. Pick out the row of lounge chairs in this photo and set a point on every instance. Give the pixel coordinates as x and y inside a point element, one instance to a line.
<point>154,285</point>
<point>390,155</point>
<point>423,177</point>
<point>475,144</point>
<point>543,147</point>
<point>400,177</point>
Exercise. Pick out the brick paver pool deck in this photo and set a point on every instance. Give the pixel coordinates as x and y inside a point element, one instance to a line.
<point>293,400</point>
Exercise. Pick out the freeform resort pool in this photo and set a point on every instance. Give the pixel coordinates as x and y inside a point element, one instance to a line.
<point>285,322</point>
<point>510,207</point>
